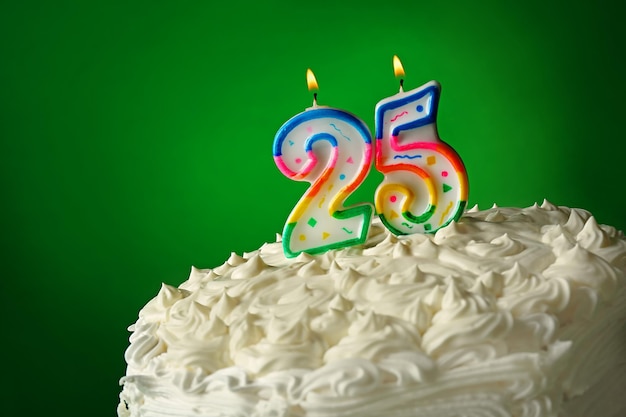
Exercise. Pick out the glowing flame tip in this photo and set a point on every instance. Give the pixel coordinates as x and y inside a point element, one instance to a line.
<point>398,70</point>
<point>310,80</point>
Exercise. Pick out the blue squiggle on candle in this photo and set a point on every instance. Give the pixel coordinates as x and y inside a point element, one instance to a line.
<point>340,132</point>
<point>406,156</point>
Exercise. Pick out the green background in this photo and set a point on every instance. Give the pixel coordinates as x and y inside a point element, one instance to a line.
<point>136,141</point>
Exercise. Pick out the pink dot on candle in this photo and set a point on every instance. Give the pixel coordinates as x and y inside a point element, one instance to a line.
<point>393,198</point>
<point>298,160</point>
<point>444,173</point>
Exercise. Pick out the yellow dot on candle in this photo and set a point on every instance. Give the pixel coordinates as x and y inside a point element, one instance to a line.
<point>302,237</point>
<point>431,160</point>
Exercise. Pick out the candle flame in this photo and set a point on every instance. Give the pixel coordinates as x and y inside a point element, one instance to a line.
<point>398,70</point>
<point>310,80</point>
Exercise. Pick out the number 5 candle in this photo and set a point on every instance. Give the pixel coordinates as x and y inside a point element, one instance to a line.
<point>332,150</point>
<point>425,185</point>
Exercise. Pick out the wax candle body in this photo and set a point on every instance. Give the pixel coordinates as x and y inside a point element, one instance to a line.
<point>332,150</point>
<point>425,185</point>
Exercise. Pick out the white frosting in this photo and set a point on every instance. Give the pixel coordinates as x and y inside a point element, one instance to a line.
<point>509,312</point>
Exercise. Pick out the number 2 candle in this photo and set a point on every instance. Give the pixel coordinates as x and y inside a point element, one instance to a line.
<point>425,185</point>
<point>332,150</point>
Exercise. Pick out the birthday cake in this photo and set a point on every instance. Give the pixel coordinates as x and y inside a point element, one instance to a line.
<point>507,312</point>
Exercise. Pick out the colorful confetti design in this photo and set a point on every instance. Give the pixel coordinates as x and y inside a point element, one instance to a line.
<point>416,181</point>
<point>334,147</point>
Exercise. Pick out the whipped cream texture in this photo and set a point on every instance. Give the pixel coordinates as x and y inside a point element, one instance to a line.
<point>508,312</point>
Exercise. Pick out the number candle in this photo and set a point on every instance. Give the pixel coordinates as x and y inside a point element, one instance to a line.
<point>425,185</point>
<point>332,150</point>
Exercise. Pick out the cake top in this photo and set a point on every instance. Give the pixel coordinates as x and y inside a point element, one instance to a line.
<point>395,310</point>
<point>307,311</point>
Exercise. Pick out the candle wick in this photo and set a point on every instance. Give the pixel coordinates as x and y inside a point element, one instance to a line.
<point>401,85</point>
<point>314,99</point>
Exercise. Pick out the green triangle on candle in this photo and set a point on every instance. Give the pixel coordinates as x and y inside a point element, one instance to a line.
<point>446,188</point>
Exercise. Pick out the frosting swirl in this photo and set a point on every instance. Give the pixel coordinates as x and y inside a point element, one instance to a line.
<point>498,314</point>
